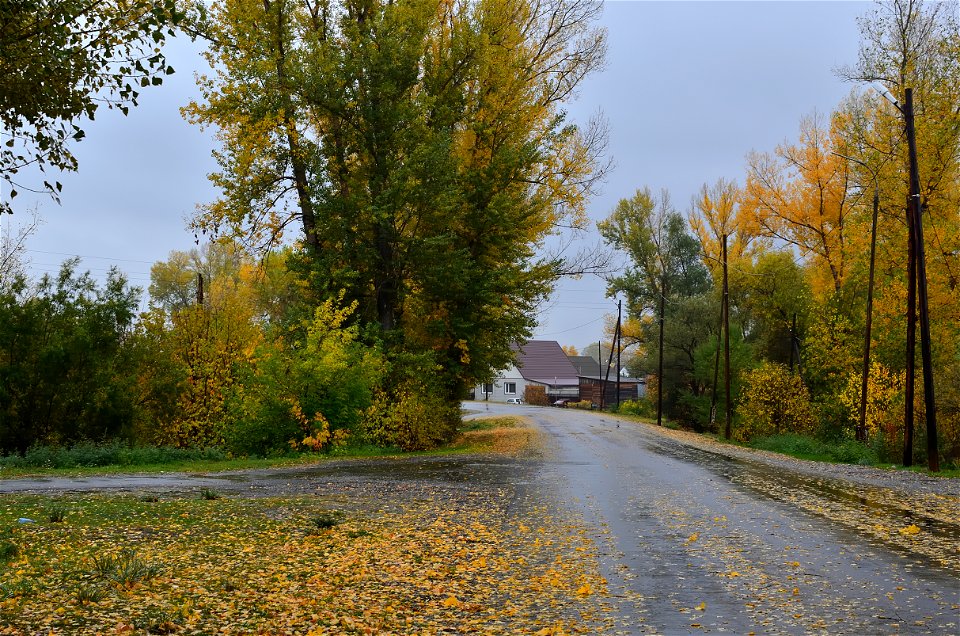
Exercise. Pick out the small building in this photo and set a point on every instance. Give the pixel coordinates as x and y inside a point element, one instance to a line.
<point>600,387</point>
<point>539,363</point>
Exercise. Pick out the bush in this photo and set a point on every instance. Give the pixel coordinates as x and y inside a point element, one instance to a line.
<point>536,395</point>
<point>641,408</point>
<point>774,401</point>
<point>582,404</point>
<point>312,395</point>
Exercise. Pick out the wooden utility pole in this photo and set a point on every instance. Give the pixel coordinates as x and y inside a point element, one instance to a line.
<point>663,298</point>
<point>199,288</point>
<point>861,432</point>
<point>618,336</point>
<point>909,384</point>
<point>726,341</point>
<point>920,267</point>
<point>716,366</point>
<point>606,376</point>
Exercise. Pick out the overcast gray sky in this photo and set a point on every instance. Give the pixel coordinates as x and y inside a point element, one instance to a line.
<point>689,89</point>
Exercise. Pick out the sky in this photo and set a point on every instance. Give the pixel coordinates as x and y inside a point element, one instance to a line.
<point>688,90</point>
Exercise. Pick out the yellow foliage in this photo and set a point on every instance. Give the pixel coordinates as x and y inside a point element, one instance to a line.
<point>800,195</point>
<point>773,401</point>
<point>884,400</point>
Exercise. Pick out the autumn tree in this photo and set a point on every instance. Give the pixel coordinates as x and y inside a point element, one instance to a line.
<point>664,269</point>
<point>913,44</point>
<point>59,62</point>
<point>66,373</point>
<point>421,151</point>
<point>800,196</point>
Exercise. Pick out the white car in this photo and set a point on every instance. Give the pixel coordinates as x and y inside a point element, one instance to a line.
<point>514,401</point>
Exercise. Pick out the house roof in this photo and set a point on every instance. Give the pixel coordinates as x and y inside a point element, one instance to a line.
<point>585,365</point>
<point>543,361</point>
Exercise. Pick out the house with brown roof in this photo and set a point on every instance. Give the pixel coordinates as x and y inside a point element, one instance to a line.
<point>537,363</point>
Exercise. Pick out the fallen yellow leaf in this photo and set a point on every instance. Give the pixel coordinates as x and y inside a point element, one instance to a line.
<point>451,601</point>
<point>693,537</point>
<point>585,590</point>
<point>701,607</point>
<point>911,529</point>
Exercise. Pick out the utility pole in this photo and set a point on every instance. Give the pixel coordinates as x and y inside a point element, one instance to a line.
<point>726,340</point>
<point>663,296</point>
<point>606,377</point>
<point>861,432</point>
<point>716,366</point>
<point>861,429</point>
<point>600,364</point>
<point>910,382</point>
<point>618,336</point>
<point>199,289</point>
<point>920,266</point>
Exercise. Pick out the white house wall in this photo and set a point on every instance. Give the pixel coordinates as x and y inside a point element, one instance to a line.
<point>500,384</point>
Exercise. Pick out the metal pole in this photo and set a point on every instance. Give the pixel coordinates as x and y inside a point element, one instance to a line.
<point>933,454</point>
<point>726,340</point>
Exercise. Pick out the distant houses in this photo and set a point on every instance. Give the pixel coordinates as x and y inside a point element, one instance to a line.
<point>539,363</point>
<point>542,368</point>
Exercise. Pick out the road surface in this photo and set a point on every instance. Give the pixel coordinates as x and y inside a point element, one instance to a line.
<point>695,541</point>
<point>693,537</point>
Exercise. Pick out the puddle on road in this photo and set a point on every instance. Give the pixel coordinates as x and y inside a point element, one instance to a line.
<point>927,526</point>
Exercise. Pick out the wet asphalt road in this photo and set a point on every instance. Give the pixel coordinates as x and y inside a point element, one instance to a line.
<point>690,541</point>
<point>693,542</point>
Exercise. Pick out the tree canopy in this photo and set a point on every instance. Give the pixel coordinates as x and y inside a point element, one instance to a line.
<point>59,62</point>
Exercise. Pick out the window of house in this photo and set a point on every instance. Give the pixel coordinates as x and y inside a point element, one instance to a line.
<point>510,388</point>
<point>488,388</point>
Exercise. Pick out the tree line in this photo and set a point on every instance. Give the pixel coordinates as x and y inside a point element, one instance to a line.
<point>388,171</point>
<point>814,242</point>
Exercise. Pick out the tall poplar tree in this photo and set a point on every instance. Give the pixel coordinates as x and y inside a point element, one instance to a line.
<point>420,150</point>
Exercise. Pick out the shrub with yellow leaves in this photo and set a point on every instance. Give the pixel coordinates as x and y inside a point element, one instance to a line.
<point>884,401</point>
<point>773,401</point>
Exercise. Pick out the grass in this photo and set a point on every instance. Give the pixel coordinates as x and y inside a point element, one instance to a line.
<point>125,569</point>
<point>56,513</point>
<point>803,447</point>
<point>504,435</point>
<point>88,459</point>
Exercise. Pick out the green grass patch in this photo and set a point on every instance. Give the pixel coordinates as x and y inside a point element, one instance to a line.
<point>487,424</point>
<point>803,447</point>
<point>673,426</point>
<point>90,459</point>
<point>180,465</point>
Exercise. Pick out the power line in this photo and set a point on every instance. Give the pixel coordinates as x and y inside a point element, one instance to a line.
<point>554,333</point>
<point>103,258</point>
